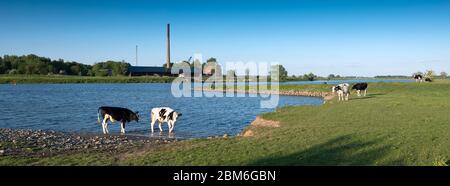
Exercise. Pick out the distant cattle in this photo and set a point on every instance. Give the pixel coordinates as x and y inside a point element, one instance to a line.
<point>418,78</point>
<point>428,79</point>
<point>123,115</point>
<point>360,87</point>
<point>164,114</point>
<point>343,91</point>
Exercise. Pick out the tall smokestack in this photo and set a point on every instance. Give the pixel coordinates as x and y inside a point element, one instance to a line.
<point>168,47</point>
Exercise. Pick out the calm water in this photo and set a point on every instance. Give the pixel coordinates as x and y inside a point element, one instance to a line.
<point>73,108</point>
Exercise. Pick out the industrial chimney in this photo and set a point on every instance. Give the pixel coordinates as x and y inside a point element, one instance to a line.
<point>168,48</point>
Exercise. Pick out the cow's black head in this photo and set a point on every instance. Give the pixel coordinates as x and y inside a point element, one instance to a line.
<point>135,116</point>
<point>337,88</point>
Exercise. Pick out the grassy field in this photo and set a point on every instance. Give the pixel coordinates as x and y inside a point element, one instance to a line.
<point>396,124</point>
<point>6,79</point>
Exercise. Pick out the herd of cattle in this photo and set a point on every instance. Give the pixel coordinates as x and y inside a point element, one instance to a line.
<point>343,90</point>
<point>419,78</point>
<point>168,115</point>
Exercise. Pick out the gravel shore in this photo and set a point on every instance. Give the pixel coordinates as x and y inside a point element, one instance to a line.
<point>40,143</point>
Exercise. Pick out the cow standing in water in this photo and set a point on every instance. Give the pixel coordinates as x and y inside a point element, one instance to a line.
<point>164,114</point>
<point>123,115</point>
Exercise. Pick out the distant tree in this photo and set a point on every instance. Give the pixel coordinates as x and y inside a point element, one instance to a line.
<point>212,67</point>
<point>282,73</point>
<point>110,68</point>
<point>331,76</point>
<point>310,76</point>
<point>90,72</point>
<point>3,67</point>
<point>429,73</point>
<point>75,70</point>
<point>211,59</point>
<point>444,75</point>
<point>33,64</point>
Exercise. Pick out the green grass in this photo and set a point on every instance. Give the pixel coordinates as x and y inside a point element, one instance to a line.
<point>19,79</point>
<point>396,124</point>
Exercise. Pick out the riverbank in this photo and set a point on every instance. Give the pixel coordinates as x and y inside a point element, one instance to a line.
<point>62,79</point>
<point>251,90</point>
<point>395,124</point>
<point>41,144</point>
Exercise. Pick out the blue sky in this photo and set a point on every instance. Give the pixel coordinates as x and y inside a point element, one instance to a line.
<point>347,37</point>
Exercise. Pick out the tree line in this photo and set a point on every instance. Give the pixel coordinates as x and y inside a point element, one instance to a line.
<point>33,64</point>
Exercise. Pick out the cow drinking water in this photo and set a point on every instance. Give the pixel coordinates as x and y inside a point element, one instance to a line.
<point>123,115</point>
<point>164,114</point>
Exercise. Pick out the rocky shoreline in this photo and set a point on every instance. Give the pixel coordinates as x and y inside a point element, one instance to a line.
<point>40,143</point>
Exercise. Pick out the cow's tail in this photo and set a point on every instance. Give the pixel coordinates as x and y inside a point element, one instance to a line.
<point>98,116</point>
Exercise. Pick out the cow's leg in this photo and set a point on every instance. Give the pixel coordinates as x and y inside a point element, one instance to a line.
<point>104,125</point>
<point>359,92</point>
<point>152,124</point>
<point>106,128</point>
<point>173,126</point>
<point>365,92</point>
<point>122,127</point>
<point>170,126</point>
<point>159,125</point>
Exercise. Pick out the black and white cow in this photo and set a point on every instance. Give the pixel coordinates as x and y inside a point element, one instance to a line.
<point>418,78</point>
<point>123,115</point>
<point>360,87</point>
<point>343,91</point>
<point>427,79</point>
<point>164,114</point>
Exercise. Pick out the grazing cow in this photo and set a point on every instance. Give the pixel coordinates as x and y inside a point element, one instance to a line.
<point>113,114</point>
<point>343,91</point>
<point>360,87</point>
<point>418,78</point>
<point>164,114</point>
<point>428,79</point>
<point>333,88</point>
